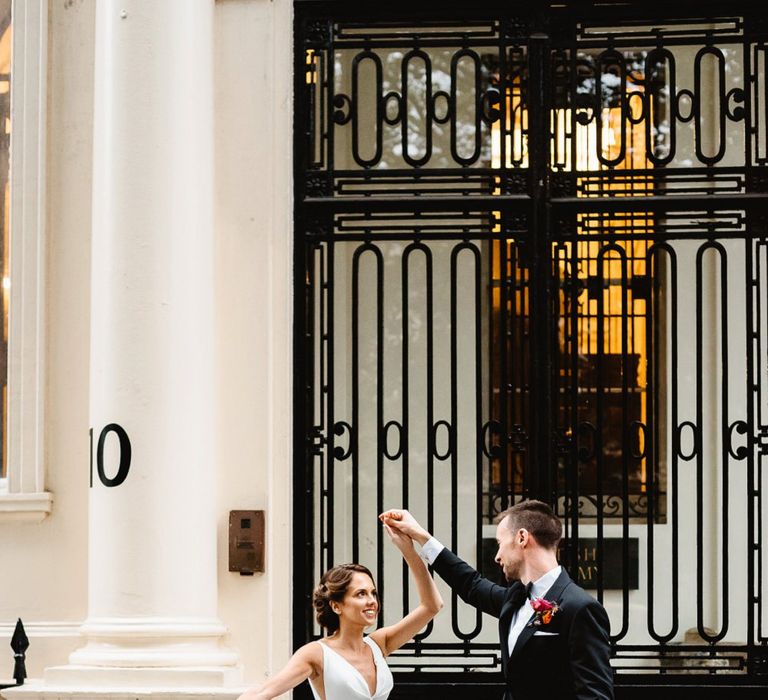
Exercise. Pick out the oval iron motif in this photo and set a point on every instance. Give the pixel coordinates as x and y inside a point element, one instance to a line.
<point>385,432</point>
<point>449,434</point>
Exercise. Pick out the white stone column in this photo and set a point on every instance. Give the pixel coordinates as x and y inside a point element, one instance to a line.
<point>152,616</point>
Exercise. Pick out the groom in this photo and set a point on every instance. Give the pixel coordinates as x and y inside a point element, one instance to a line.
<point>554,636</point>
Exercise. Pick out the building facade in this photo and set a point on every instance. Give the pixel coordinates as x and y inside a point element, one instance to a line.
<point>317,259</point>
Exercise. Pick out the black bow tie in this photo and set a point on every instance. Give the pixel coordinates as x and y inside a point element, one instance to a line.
<point>520,595</point>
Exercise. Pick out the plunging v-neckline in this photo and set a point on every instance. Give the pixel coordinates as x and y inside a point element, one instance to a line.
<point>357,671</point>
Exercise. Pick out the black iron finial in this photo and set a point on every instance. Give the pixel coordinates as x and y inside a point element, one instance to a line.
<point>19,644</point>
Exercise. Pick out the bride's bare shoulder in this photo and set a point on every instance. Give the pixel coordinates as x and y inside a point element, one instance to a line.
<point>314,648</point>
<point>313,652</point>
<point>311,655</point>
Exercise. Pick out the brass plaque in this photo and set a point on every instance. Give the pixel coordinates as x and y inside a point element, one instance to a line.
<point>613,563</point>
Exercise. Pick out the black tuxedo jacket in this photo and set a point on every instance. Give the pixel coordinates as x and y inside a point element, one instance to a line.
<point>571,662</point>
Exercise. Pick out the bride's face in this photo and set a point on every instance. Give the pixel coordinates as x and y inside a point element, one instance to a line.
<point>360,604</point>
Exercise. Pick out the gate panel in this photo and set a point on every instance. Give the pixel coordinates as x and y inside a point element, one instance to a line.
<point>531,262</point>
<point>410,403</point>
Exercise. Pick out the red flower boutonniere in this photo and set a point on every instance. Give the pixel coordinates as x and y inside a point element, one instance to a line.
<point>543,611</point>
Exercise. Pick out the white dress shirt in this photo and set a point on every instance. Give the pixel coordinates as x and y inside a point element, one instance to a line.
<point>520,619</point>
<point>430,549</point>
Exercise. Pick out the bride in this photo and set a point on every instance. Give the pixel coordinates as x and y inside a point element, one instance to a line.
<point>346,664</point>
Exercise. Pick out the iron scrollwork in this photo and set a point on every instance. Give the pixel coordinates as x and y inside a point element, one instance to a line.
<point>544,177</point>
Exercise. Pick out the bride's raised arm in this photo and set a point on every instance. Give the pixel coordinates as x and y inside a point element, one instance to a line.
<point>394,636</point>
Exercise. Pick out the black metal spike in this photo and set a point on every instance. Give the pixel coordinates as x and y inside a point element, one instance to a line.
<point>19,644</point>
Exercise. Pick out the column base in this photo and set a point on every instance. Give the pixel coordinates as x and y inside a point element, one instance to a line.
<point>123,655</point>
<point>139,643</point>
<point>72,676</point>
<point>38,690</point>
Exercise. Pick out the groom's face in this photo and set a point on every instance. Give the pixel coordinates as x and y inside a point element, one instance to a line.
<point>510,555</point>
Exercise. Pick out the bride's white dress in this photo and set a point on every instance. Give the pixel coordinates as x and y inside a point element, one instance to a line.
<point>344,682</point>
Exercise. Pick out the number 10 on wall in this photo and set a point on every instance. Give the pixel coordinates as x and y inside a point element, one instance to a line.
<point>124,463</point>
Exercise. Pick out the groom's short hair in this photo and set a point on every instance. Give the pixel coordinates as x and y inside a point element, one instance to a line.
<point>536,517</point>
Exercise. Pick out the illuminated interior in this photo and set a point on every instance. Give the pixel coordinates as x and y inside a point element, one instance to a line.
<point>617,291</point>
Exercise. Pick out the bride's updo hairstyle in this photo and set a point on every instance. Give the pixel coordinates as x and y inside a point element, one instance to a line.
<point>333,586</point>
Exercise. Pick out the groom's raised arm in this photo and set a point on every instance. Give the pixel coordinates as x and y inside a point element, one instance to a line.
<point>470,586</point>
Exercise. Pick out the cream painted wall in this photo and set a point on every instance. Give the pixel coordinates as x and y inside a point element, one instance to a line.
<point>253,220</point>
<point>44,565</point>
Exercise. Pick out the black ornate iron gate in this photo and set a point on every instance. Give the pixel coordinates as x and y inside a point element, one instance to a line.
<point>532,261</point>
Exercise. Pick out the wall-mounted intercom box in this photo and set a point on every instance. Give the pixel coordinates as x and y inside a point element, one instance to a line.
<point>246,541</point>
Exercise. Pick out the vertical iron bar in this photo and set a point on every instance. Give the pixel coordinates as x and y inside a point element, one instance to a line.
<point>380,436</point>
<point>699,448</point>
<point>430,409</point>
<point>750,288</point>
<point>675,513</point>
<point>323,432</point>
<point>573,389</point>
<point>575,291</point>
<point>330,396</point>
<point>478,431</point>
<point>505,383</point>
<point>405,375</point>
<point>430,398</point>
<point>453,435</point>
<point>322,81</point>
<point>725,440</point>
<point>507,386</point>
<point>303,518</point>
<point>356,427</point>
<point>652,385</point>
<point>329,122</point>
<point>752,295</point>
<point>725,446</point>
<point>760,353</point>
<point>503,110</point>
<point>625,447</point>
<point>540,459</point>
<point>600,423</point>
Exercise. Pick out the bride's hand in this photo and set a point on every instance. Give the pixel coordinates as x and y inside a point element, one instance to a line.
<point>401,541</point>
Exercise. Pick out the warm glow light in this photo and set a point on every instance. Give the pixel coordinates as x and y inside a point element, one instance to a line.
<point>6,283</point>
<point>566,130</point>
<point>312,65</point>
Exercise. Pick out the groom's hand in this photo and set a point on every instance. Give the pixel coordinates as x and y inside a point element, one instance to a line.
<point>403,521</point>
